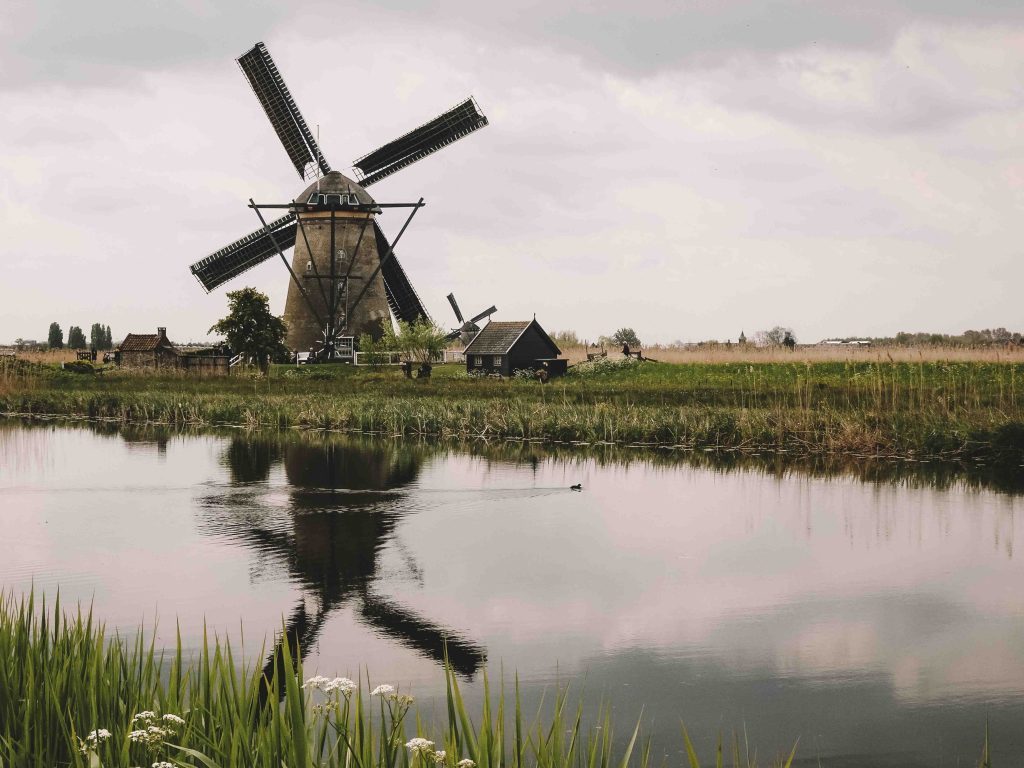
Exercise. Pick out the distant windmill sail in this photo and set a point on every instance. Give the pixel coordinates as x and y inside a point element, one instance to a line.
<point>486,313</point>
<point>467,328</point>
<point>269,87</point>
<point>461,120</point>
<point>455,308</point>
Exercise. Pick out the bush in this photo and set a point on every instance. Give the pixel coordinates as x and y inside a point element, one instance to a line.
<point>79,366</point>
<point>602,365</point>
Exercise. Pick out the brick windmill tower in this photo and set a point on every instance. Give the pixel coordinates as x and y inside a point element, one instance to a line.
<point>345,276</point>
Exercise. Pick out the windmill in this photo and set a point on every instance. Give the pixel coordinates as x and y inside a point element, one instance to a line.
<point>345,276</point>
<point>467,329</point>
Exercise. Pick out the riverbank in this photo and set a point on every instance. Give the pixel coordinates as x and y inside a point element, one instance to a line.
<point>950,411</point>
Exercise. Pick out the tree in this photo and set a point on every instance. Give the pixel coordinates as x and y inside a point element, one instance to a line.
<point>776,337</point>
<point>626,336</point>
<point>250,329</point>
<point>55,339</point>
<point>76,339</point>
<point>99,336</point>
<point>566,339</point>
<point>420,342</point>
<point>789,341</point>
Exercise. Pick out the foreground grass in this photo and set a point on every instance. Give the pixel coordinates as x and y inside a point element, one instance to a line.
<point>960,411</point>
<point>72,696</point>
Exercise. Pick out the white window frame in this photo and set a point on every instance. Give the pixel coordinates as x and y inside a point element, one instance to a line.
<point>497,361</point>
<point>478,361</point>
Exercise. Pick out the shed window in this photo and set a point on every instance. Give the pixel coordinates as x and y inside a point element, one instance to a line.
<point>478,361</point>
<point>497,359</point>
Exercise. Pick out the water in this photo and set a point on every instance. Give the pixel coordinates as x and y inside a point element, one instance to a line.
<point>882,622</point>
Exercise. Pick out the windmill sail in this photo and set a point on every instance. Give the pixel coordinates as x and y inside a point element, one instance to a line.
<point>455,307</point>
<point>268,85</point>
<point>459,121</point>
<point>486,313</point>
<point>246,253</point>
<point>402,297</point>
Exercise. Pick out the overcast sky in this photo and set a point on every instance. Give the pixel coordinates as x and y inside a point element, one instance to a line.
<point>690,169</point>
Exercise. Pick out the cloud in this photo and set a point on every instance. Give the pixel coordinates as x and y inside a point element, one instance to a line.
<point>834,186</point>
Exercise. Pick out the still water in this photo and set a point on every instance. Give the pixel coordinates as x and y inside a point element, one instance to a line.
<point>880,622</point>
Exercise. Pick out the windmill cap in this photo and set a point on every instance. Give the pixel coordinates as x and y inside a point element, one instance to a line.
<point>335,183</point>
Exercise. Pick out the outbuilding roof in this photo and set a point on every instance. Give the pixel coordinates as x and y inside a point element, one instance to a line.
<point>499,336</point>
<point>144,342</point>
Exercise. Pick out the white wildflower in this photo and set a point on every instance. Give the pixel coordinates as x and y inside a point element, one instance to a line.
<point>137,736</point>
<point>163,764</point>
<point>439,756</point>
<point>420,746</point>
<point>145,715</point>
<point>465,763</point>
<point>93,740</point>
<point>317,681</point>
<point>342,684</point>
<point>173,719</point>
<point>383,690</point>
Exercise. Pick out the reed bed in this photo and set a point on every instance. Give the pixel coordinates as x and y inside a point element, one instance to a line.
<point>946,410</point>
<point>749,353</point>
<point>70,695</point>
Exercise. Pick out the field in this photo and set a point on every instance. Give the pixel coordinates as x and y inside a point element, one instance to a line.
<point>922,409</point>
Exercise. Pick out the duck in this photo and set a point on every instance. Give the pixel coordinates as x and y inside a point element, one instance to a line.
<point>577,487</point>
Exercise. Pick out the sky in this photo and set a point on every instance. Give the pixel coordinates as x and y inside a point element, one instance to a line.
<point>687,169</point>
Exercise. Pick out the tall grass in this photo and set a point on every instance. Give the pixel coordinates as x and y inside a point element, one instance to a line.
<point>956,411</point>
<point>71,695</point>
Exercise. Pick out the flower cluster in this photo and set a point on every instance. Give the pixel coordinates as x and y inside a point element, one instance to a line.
<point>151,731</point>
<point>425,749</point>
<point>384,691</point>
<point>329,685</point>
<point>93,740</point>
<point>420,746</point>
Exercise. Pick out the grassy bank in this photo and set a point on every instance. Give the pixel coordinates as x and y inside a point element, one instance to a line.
<point>959,411</point>
<point>72,696</point>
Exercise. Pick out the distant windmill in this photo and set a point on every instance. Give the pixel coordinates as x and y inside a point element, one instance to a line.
<point>467,329</point>
<point>347,283</point>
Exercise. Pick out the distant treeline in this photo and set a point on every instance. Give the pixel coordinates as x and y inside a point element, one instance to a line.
<point>984,338</point>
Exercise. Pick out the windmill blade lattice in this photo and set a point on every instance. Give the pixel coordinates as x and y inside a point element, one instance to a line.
<point>269,87</point>
<point>459,121</point>
<point>245,253</point>
<point>402,297</point>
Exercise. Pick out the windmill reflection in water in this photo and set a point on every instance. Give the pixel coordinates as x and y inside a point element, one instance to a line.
<point>341,511</point>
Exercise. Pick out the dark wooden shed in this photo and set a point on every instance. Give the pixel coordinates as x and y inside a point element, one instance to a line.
<point>506,346</point>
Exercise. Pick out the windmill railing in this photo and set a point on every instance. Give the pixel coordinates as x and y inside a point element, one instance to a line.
<point>378,358</point>
<point>397,358</point>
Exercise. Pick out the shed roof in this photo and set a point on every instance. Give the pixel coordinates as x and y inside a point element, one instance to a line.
<point>144,342</point>
<point>499,336</point>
